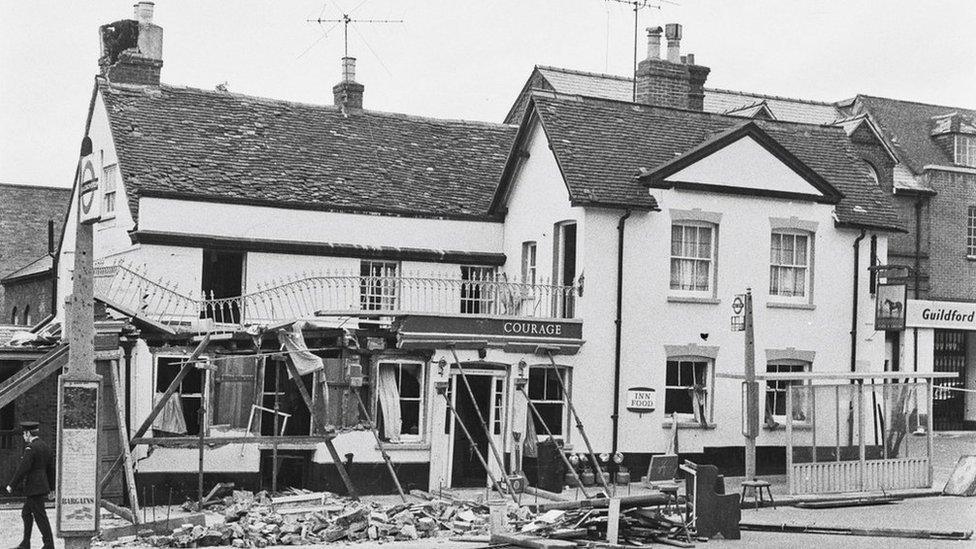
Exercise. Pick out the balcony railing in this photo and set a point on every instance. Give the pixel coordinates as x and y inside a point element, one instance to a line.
<point>131,290</point>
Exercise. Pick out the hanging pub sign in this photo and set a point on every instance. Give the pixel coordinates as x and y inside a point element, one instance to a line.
<point>890,305</point>
<point>641,399</point>
<point>77,477</point>
<point>89,210</point>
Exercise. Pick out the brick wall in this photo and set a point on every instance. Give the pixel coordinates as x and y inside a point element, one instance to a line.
<point>667,84</point>
<point>952,273</point>
<point>24,212</point>
<point>34,292</point>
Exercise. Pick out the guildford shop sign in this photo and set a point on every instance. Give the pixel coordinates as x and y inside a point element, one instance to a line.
<point>941,314</point>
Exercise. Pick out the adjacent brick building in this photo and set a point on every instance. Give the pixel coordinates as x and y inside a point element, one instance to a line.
<point>24,214</point>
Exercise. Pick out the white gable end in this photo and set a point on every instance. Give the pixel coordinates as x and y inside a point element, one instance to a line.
<point>745,164</point>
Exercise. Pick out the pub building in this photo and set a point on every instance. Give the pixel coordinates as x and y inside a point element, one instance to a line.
<point>591,249</point>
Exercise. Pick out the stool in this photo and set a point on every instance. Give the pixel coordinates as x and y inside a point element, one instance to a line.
<point>757,494</point>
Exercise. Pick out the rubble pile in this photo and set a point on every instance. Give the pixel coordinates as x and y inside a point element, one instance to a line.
<point>257,520</point>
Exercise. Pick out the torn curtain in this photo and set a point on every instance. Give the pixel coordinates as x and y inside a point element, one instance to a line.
<point>293,342</point>
<point>170,418</point>
<point>388,395</point>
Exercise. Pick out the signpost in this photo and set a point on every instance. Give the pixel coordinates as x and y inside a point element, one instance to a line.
<point>79,386</point>
<point>750,388</point>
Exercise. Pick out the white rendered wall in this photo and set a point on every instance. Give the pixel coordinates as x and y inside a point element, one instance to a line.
<point>260,222</point>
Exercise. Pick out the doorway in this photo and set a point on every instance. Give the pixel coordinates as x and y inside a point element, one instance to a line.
<point>564,266</point>
<point>464,469</point>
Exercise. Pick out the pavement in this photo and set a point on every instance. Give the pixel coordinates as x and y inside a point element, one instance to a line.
<point>930,513</point>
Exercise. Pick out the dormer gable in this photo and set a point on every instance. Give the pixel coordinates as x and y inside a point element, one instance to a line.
<point>744,160</point>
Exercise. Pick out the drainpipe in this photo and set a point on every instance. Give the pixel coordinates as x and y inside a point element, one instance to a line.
<point>857,267</point>
<point>918,275</point>
<point>54,267</point>
<point>617,321</point>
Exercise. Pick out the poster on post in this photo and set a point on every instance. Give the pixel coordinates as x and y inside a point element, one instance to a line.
<point>77,479</point>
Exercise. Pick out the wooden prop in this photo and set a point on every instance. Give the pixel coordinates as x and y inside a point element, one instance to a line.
<point>845,531</point>
<point>130,475</point>
<point>297,378</point>
<point>579,426</point>
<point>520,387</point>
<point>481,420</point>
<point>174,386</point>
<point>379,444</point>
<point>474,446</point>
<point>713,511</point>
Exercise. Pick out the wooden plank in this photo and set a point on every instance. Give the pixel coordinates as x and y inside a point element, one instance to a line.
<point>170,442</point>
<point>130,475</point>
<point>159,527</point>
<point>531,542</point>
<point>118,510</point>
<point>613,521</point>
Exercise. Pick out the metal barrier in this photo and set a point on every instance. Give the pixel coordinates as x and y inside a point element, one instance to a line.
<point>131,290</point>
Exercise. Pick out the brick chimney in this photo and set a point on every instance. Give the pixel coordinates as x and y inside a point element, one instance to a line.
<point>132,49</point>
<point>673,82</point>
<point>348,94</point>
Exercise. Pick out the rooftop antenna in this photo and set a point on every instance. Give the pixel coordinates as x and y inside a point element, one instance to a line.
<point>346,19</point>
<point>638,5</point>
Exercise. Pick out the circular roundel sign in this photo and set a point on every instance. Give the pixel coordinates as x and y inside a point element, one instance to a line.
<point>87,191</point>
<point>738,305</point>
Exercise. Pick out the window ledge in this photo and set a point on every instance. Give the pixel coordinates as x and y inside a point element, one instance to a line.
<point>689,299</point>
<point>971,258</point>
<point>782,427</point>
<point>404,446</point>
<point>787,305</point>
<point>668,424</point>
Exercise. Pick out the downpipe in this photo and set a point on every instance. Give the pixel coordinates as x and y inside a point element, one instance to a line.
<point>857,268</point>
<point>617,321</point>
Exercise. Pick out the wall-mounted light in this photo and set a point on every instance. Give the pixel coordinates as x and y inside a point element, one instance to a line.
<point>441,366</point>
<point>521,367</point>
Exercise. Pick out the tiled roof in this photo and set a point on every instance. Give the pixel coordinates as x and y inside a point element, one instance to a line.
<point>908,127</point>
<point>620,88</point>
<point>601,144</point>
<point>213,144</point>
<point>40,265</point>
<point>783,108</point>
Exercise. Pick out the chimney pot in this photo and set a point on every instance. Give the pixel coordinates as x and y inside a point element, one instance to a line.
<point>672,31</point>
<point>143,12</point>
<point>654,42</point>
<point>690,58</point>
<point>348,69</point>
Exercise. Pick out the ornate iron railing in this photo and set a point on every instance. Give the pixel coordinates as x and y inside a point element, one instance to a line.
<point>131,290</point>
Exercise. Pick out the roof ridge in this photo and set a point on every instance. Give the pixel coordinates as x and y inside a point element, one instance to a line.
<point>915,102</point>
<point>585,73</point>
<point>35,186</point>
<point>558,95</point>
<point>769,96</point>
<point>278,101</point>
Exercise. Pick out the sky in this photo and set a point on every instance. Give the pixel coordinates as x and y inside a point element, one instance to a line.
<point>464,58</point>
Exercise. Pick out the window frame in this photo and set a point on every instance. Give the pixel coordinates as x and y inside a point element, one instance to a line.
<point>712,261</point>
<point>422,400</point>
<point>384,300</point>
<point>971,232</point>
<point>530,262</point>
<point>964,150</point>
<point>205,387</point>
<point>14,316</point>
<point>109,195</point>
<point>807,295</point>
<point>769,390</point>
<point>485,299</point>
<point>565,373</point>
<point>709,387</point>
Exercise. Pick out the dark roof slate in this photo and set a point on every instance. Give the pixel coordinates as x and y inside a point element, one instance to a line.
<point>908,125</point>
<point>601,144</point>
<point>212,144</point>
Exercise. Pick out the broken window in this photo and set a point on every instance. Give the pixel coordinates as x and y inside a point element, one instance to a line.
<point>235,389</point>
<point>546,395</point>
<point>776,389</point>
<point>400,397</point>
<point>179,416</point>
<point>686,389</point>
<point>222,279</point>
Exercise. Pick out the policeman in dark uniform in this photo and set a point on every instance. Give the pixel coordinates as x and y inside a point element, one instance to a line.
<point>36,473</point>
